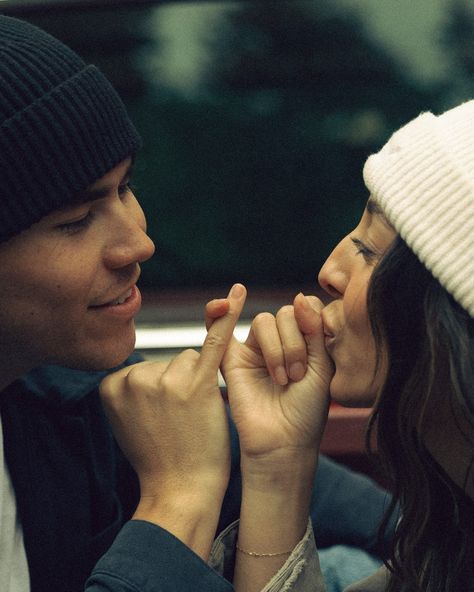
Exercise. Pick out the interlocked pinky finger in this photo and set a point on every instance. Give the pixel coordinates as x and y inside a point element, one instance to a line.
<point>265,332</point>
<point>294,345</point>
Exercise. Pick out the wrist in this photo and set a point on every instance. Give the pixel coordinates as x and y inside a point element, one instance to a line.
<point>190,518</point>
<point>279,471</point>
<point>272,521</point>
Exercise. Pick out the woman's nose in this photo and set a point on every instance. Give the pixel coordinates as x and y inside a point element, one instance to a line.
<point>333,275</point>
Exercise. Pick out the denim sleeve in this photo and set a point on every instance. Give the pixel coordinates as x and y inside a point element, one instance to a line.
<point>147,558</point>
<point>347,508</point>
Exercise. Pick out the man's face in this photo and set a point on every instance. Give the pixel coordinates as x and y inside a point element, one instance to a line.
<point>68,283</point>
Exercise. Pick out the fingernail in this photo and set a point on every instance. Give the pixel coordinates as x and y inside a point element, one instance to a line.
<point>304,302</point>
<point>297,371</point>
<point>280,375</point>
<point>236,291</point>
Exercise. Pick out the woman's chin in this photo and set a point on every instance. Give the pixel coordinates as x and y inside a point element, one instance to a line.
<point>349,394</point>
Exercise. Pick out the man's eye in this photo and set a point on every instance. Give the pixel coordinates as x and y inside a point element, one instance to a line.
<point>125,189</point>
<point>77,225</point>
<point>363,250</point>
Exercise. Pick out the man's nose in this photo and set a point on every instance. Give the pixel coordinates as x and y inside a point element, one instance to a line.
<point>130,245</point>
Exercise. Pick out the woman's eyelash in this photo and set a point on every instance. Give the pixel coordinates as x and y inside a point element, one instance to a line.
<point>363,249</point>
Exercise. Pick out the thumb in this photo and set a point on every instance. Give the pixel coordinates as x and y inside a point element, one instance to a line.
<point>215,309</point>
<point>308,316</point>
<point>221,331</point>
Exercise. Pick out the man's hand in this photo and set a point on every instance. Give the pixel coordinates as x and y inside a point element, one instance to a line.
<point>170,421</point>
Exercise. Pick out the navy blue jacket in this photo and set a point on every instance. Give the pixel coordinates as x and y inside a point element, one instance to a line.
<point>75,492</point>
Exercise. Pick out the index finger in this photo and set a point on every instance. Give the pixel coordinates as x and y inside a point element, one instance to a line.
<point>221,331</point>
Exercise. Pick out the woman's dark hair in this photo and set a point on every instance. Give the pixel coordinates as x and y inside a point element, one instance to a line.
<point>429,340</point>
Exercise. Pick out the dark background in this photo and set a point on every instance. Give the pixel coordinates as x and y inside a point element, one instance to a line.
<point>256,173</point>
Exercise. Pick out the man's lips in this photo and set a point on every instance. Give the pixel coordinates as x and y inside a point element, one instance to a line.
<point>125,306</point>
<point>120,299</point>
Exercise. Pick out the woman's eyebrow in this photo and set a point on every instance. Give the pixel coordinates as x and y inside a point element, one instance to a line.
<point>373,207</point>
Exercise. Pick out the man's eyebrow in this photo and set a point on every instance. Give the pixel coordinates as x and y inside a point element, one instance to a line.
<point>93,193</point>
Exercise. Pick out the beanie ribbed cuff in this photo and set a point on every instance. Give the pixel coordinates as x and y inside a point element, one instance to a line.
<point>423,181</point>
<point>58,145</point>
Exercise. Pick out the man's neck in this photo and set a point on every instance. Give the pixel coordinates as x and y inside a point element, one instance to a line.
<point>11,368</point>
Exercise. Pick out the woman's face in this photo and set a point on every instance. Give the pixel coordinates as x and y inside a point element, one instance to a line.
<point>345,276</point>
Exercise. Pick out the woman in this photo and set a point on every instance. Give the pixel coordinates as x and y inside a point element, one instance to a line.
<point>398,333</point>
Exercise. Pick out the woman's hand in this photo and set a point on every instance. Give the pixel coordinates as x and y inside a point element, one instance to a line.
<point>278,389</point>
<point>278,381</point>
<point>171,423</point>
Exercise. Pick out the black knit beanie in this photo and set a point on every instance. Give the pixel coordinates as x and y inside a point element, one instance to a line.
<point>62,126</point>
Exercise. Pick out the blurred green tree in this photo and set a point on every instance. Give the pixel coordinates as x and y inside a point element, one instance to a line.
<point>110,38</point>
<point>256,174</point>
<point>458,39</point>
<point>311,95</point>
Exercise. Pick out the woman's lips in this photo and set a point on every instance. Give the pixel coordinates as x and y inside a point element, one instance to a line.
<point>329,341</point>
<point>329,334</point>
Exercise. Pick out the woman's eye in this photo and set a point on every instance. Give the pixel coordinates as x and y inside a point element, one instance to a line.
<point>363,250</point>
<point>76,225</point>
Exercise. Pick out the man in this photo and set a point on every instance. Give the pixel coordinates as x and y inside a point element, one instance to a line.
<point>74,513</point>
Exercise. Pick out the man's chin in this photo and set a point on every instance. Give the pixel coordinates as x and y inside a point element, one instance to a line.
<point>100,362</point>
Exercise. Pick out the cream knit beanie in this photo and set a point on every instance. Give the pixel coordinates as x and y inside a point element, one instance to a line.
<point>423,179</point>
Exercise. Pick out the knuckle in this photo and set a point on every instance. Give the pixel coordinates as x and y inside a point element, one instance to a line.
<point>285,311</point>
<point>273,356</point>
<point>184,363</point>
<point>134,379</point>
<point>215,340</point>
<point>167,381</point>
<point>189,354</point>
<point>106,387</point>
<point>294,350</point>
<point>175,388</point>
<point>113,383</point>
<point>263,319</point>
<point>142,377</point>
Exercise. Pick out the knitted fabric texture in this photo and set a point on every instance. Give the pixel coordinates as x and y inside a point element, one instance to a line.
<point>423,179</point>
<point>62,126</point>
